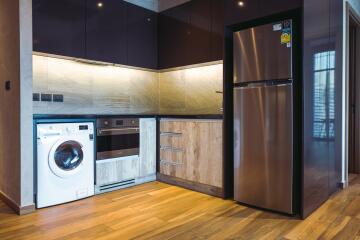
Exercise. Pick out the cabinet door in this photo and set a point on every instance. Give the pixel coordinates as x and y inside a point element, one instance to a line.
<point>172,149</point>
<point>117,170</point>
<point>199,36</point>
<point>276,6</point>
<point>141,34</point>
<point>236,14</point>
<point>59,27</point>
<point>203,152</point>
<point>147,147</point>
<point>106,31</point>
<point>192,150</point>
<point>217,30</point>
<point>174,26</point>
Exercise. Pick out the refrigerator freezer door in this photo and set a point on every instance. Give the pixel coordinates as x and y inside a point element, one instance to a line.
<point>263,147</point>
<point>263,53</point>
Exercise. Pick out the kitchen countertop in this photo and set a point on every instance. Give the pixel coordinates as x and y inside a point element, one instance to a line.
<point>93,116</point>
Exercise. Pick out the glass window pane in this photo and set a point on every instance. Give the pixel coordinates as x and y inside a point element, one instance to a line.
<point>324,95</point>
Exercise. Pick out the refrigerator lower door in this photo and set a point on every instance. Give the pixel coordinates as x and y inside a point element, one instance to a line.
<point>263,147</point>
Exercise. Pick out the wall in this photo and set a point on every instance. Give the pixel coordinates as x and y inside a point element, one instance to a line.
<point>254,9</point>
<point>10,105</point>
<point>26,111</point>
<point>192,91</point>
<point>322,109</point>
<point>109,89</point>
<point>355,4</point>
<point>16,161</point>
<point>93,89</point>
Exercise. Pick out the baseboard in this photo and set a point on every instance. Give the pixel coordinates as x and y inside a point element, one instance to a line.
<point>14,206</point>
<point>27,209</point>
<point>343,185</point>
<point>198,187</point>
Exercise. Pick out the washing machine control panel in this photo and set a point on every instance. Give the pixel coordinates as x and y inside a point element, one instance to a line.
<point>65,129</point>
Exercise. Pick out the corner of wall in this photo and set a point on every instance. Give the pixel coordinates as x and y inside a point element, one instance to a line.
<point>26,112</point>
<point>355,4</point>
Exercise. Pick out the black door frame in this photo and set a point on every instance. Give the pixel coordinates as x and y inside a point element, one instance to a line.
<point>228,167</point>
<point>352,18</point>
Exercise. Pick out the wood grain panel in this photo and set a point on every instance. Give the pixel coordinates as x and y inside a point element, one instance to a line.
<point>199,187</point>
<point>147,147</point>
<point>204,152</point>
<point>117,170</point>
<point>175,141</point>
<point>200,158</point>
<point>173,163</point>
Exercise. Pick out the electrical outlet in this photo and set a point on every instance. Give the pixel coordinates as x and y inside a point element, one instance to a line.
<point>58,98</point>
<point>36,97</point>
<point>46,97</point>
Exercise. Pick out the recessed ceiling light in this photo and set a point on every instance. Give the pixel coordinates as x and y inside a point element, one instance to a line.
<point>241,3</point>
<point>100,4</point>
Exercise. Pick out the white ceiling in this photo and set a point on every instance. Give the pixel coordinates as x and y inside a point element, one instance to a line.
<point>157,5</point>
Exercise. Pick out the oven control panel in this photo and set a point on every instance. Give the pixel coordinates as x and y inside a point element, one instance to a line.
<point>117,123</point>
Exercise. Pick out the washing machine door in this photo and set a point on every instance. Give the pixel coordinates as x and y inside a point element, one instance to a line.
<point>66,158</point>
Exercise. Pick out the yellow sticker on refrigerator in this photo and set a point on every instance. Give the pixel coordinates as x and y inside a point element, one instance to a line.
<point>285,37</point>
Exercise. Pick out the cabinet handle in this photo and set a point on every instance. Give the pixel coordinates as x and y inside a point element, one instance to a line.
<point>171,134</point>
<point>171,149</point>
<point>167,162</point>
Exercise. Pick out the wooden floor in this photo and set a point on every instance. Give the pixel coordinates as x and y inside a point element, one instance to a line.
<point>160,211</point>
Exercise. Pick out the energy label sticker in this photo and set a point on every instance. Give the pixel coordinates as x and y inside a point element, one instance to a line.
<point>286,37</point>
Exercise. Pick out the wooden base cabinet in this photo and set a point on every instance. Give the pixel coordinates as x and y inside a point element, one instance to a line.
<point>147,147</point>
<point>191,150</point>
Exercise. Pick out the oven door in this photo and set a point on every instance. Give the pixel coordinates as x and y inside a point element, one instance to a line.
<point>117,142</point>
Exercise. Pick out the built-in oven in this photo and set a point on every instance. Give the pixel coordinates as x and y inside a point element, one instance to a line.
<point>117,137</point>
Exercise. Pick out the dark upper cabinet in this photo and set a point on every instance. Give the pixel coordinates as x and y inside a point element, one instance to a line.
<point>198,43</point>
<point>118,32</point>
<point>276,6</point>
<point>173,30</point>
<point>141,37</point>
<point>105,31</point>
<point>253,9</point>
<point>237,14</point>
<point>59,27</point>
<point>191,33</point>
<point>217,30</point>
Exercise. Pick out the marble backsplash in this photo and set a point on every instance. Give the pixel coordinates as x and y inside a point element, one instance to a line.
<point>107,89</point>
<point>191,91</point>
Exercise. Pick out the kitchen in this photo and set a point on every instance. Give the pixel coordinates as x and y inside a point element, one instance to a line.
<point>153,96</point>
<point>130,101</point>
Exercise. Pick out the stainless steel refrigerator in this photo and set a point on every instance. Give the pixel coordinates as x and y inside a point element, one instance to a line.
<point>263,116</point>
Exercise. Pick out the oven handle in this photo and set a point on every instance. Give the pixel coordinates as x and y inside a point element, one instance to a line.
<point>117,131</point>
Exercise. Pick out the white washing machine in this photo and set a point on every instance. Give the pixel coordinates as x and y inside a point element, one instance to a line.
<point>65,162</point>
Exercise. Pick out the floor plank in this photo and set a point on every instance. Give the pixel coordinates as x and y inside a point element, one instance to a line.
<point>159,211</point>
